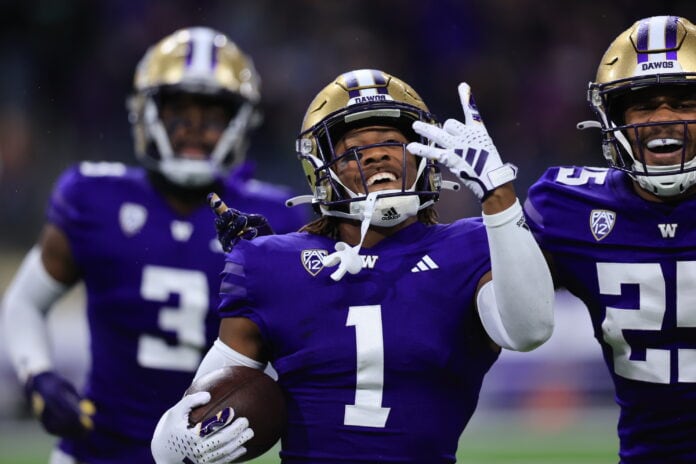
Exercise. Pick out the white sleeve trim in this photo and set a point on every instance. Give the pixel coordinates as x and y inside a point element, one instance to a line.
<point>221,355</point>
<point>27,300</point>
<point>519,314</point>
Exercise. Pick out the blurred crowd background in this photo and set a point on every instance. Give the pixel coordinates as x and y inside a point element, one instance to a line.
<point>66,68</point>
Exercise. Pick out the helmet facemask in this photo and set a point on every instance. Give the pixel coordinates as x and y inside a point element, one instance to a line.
<point>624,145</point>
<point>189,171</point>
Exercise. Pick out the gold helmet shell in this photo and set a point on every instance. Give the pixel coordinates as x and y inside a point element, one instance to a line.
<point>660,45</point>
<point>196,60</point>
<point>200,60</point>
<point>355,99</point>
<point>658,51</point>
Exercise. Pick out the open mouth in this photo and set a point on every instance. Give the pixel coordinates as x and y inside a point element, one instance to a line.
<point>664,145</point>
<point>381,178</point>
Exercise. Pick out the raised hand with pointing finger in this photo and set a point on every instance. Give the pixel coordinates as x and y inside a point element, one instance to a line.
<point>466,149</point>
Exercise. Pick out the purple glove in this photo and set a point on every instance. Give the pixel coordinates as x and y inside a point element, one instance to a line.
<point>232,225</point>
<point>58,406</point>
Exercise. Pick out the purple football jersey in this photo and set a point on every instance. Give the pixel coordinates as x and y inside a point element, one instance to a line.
<point>382,366</point>
<point>633,263</point>
<point>152,278</point>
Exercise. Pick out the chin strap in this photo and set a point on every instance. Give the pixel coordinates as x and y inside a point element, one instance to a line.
<point>346,256</point>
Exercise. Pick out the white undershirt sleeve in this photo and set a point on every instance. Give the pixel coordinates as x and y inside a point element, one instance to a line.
<point>516,308</point>
<point>25,304</point>
<point>221,355</point>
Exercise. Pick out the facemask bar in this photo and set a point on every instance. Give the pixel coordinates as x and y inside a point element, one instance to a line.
<point>618,151</point>
<point>327,180</point>
<point>192,173</point>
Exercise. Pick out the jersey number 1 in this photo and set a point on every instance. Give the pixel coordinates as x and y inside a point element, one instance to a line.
<point>367,411</point>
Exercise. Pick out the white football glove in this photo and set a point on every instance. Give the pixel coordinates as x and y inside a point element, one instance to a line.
<point>466,149</point>
<point>215,441</point>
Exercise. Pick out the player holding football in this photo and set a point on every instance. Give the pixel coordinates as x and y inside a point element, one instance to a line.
<point>622,239</point>
<point>141,240</point>
<point>380,322</point>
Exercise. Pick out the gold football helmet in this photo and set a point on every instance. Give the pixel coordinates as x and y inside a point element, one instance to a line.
<point>355,99</point>
<point>654,52</point>
<point>198,61</point>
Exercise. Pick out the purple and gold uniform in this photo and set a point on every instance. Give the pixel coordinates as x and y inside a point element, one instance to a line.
<point>151,279</point>
<point>633,264</point>
<point>389,362</point>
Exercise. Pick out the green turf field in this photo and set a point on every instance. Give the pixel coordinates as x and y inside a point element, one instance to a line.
<point>552,437</point>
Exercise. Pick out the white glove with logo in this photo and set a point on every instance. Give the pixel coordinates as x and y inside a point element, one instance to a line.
<point>466,149</point>
<point>217,440</point>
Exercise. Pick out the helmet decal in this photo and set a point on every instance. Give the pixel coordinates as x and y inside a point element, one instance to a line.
<point>657,33</point>
<point>366,85</point>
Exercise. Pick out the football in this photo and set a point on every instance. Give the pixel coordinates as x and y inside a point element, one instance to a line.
<point>252,394</point>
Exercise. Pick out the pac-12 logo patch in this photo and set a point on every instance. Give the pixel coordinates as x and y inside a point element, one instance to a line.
<point>132,218</point>
<point>312,260</point>
<point>601,222</point>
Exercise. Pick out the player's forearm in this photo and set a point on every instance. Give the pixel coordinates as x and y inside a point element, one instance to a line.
<point>27,299</point>
<point>522,282</point>
<point>499,199</point>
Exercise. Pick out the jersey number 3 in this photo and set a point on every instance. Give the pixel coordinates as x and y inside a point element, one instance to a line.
<point>187,319</point>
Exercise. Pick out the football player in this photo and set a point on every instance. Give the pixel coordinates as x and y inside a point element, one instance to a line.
<point>142,241</point>
<point>622,239</point>
<point>380,322</point>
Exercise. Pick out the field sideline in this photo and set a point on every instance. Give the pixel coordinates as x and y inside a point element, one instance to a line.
<point>553,437</point>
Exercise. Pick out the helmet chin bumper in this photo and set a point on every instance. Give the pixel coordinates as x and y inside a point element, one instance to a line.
<point>665,185</point>
<point>188,172</point>
<point>389,211</point>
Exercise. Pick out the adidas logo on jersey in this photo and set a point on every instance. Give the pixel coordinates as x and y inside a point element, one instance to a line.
<point>426,263</point>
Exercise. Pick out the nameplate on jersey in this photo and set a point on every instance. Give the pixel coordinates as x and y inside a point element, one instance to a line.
<point>601,222</point>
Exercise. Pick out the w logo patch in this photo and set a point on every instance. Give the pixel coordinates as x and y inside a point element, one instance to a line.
<point>668,230</point>
<point>601,223</point>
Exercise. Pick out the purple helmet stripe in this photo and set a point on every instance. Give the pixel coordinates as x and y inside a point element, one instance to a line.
<point>214,55</point>
<point>671,37</point>
<point>379,80</point>
<point>189,54</point>
<point>642,40</point>
<point>352,84</point>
